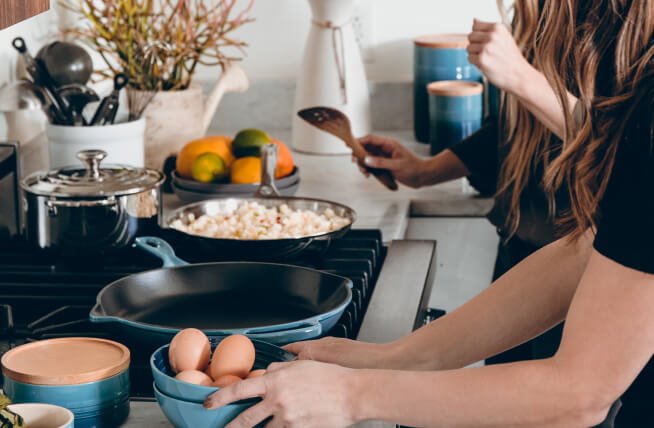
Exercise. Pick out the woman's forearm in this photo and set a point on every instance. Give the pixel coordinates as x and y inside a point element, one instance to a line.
<point>531,393</point>
<point>527,300</point>
<point>537,95</point>
<point>443,167</point>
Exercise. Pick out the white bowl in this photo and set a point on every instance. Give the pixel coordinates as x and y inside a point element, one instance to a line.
<point>39,415</point>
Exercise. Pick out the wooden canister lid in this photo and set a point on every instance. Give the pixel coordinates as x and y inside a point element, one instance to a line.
<point>455,88</point>
<point>442,41</point>
<point>67,361</point>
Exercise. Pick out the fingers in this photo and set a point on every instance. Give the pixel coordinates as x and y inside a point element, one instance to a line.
<point>301,349</point>
<point>477,37</point>
<point>375,141</point>
<point>248,388</point>
<point>273,367</point>
<point>474,59</point>
<point>478,25</point>
<point>252,417</point>
<point>381,163</point>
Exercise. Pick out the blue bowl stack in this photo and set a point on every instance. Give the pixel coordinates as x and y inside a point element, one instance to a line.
<point>181,402</point>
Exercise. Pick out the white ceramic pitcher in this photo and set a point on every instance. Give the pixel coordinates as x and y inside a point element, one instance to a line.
<point>332,75</point>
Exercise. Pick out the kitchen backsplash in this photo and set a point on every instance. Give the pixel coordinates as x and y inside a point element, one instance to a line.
<point>268,104</point>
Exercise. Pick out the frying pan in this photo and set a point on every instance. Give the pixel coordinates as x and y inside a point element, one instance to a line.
<point>268,196</point>
<point>275,303</point>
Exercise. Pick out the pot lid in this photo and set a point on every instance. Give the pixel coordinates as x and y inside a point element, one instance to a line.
<point>66,361</point>
<point>92,180</point>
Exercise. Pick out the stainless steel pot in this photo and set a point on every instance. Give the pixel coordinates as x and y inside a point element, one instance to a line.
<point>91,207</point>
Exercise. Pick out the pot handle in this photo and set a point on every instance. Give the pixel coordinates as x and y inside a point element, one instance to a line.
<point>160,249</point>
<point>267,188</point>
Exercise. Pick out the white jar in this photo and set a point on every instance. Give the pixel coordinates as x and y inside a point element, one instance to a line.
<point>123,142</point>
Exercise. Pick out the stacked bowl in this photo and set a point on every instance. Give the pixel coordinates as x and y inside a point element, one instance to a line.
<point>189,191</point>
<point>88,376</point>
<point>181,401</point>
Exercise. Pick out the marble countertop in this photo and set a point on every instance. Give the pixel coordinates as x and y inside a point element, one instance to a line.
<point>337,179</point>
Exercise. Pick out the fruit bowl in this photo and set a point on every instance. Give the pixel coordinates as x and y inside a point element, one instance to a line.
<point>194,191</point>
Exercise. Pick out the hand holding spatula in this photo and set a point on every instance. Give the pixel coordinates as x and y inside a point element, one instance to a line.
<point>336,123</point>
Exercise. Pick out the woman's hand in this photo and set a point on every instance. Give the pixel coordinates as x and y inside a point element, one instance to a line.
<point>390,154</point>
<point>344,352</point>
<point>494,51</point>
<point>296,394</point>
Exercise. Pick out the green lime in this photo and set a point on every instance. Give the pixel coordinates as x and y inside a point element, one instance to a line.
<point>248,142</point>
<point>208,167</point>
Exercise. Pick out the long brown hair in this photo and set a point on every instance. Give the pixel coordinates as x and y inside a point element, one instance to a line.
<point>572,52</point>
<point>527,137</point>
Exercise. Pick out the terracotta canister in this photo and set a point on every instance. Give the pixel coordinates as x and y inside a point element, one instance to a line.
<point>455,110</point>
<point>437,57</point>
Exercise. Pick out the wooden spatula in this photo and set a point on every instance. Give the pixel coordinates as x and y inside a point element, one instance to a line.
<point>336,123</point>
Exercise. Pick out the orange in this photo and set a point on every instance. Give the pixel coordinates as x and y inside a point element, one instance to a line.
<point>285,162</point>
<point>246,170</point>
<point>218,144</point>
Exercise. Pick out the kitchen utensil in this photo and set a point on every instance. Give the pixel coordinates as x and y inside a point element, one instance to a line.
<point>57,108</point>
<point>332,74</point>
<point>78,96</point>
<point>186,414</point>
<point>106,112</point>
<point>164,377</point>
<point>66,63</point>
<point>437,57</point>
<point>272,302</point>
<point>10,212</point>
<point>88,376</point>
<point>337,123</point>
<point>455,110</point>
<point>259,249</point>
<point>137,102</point>
<point>91,207</point>
<point>123,142</point>
<point>40,415</point>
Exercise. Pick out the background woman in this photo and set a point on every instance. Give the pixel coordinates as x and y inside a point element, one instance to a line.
<point>602,283</point>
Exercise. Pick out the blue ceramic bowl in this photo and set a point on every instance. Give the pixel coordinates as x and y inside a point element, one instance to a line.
<point>164,377</point>
<point>100,403</point>
<point>185,414</point>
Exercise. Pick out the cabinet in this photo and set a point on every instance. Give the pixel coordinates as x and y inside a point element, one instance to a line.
<point>13,11</point>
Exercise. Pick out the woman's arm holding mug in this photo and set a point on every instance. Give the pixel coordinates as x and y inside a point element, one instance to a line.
<point>494,51</point>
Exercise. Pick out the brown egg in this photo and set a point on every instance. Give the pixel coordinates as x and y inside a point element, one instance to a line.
<point>189,350</point>
<point>256,373</point>
<point>226,380</point>
<point>194,376</point>
<point>234,356</point>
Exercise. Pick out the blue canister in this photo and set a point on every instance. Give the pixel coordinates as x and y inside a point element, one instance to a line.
<point>438,57</point>
<point>455,111</point>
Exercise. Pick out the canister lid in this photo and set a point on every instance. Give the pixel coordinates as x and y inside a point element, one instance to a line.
<point>66,361</point>
<point>92,180</point>
<point>455,88</point>
<point>442,41</point>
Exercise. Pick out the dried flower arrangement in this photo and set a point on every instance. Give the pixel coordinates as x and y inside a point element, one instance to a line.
<point>158,44</point>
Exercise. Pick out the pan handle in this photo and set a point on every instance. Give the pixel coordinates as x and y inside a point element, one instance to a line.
<point>284,337</point>
<point>160,249</point>
<point>267,189</point>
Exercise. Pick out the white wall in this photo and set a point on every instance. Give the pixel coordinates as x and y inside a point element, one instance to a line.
<point>36,31</point>
<point>277,37</point>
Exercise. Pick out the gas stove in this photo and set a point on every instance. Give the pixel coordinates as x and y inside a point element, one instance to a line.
<point>46,296</point>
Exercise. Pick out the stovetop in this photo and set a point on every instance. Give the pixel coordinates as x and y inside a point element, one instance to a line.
<point>46,296</point>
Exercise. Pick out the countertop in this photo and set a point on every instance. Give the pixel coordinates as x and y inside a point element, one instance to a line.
<point>337,179</point>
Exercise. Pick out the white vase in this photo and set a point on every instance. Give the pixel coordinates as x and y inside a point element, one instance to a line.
<point>332,75</point>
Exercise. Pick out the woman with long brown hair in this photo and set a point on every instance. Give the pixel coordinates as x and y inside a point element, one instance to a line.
<point>599,277</point>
